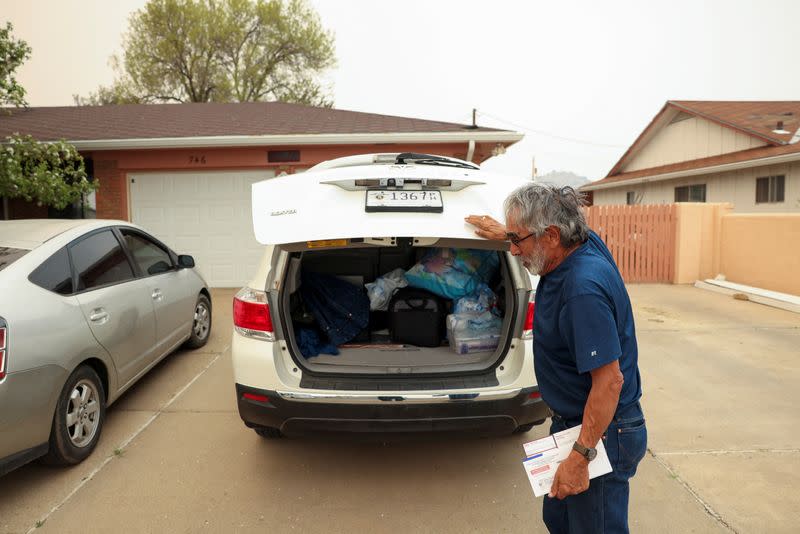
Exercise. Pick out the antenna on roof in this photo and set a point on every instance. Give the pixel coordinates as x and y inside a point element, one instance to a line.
<point>474,124</point>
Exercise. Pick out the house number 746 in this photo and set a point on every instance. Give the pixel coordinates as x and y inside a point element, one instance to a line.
<point>197,160</point>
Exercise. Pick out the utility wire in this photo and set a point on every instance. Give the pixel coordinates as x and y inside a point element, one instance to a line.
<point>547,134</point>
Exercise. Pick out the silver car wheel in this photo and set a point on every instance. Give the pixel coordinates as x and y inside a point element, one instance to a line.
<point>202,321</point>
<point>83,413</point>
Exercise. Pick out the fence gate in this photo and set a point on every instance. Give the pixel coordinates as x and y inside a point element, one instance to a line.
<point>641,238</point>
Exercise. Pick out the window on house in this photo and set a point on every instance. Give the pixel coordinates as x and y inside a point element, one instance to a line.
<point>691,193</point>
<point>630,198</point>
<point>770,189</point>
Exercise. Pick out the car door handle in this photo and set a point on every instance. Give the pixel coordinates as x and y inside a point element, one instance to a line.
<point>98,316</point>
<point>157,295</point>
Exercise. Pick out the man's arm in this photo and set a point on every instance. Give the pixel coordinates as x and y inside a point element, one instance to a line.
<point>602,403</point>
<point>572,476</point>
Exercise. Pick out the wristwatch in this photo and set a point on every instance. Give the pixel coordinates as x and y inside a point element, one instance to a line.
<point>587,452</point>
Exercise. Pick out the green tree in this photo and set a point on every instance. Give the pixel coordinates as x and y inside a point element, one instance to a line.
<point>13,53</point>
<point>50,174</point>
<point>221,51</point>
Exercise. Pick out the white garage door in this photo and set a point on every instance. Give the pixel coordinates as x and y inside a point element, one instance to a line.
<point>205,214</point>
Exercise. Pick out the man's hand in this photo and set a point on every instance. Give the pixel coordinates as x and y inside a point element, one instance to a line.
<point>572,477</point>
<point>487,227</point>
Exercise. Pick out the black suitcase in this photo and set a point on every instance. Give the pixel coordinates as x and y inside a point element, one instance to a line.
<point>416,317</point>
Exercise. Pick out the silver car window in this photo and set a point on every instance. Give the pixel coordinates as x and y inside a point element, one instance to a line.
<point>9,255</point>
<point>151,258</point>
<point>99,261</point>
<point>54,274</point>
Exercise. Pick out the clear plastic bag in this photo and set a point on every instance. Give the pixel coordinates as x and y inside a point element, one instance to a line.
<point>481,301</point>
<point>473,332</point>
<point>380,291</point>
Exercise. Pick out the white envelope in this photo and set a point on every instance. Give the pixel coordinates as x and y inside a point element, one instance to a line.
<point>543,456</point>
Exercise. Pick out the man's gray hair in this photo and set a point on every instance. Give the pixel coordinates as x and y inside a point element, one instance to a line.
<point>537,206</point>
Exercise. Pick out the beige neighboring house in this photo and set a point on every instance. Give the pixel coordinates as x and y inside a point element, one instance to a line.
<point>744,153</point>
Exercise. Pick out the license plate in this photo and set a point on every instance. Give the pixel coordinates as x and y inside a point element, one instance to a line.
<point>387,200</point>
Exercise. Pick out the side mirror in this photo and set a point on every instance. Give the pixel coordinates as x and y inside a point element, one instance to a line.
<point>186,261</point>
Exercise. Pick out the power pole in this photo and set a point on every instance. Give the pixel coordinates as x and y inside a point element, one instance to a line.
<point>534,172</point>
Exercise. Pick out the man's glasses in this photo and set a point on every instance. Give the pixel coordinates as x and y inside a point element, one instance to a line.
<point>516,239</point>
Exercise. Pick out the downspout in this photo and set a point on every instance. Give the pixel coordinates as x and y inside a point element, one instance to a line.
<point>470,150</point>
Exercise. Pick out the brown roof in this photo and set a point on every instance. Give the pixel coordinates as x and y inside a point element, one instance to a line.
<point>754,118</point>
<point>153,121</point>
<point>733,157</point>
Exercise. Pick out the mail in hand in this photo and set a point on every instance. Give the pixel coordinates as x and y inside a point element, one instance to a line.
<point>543,456</point>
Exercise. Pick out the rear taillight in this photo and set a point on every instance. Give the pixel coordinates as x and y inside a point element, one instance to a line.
<point>3,351</point>
<point>527,331</point>
<point>251,316</point>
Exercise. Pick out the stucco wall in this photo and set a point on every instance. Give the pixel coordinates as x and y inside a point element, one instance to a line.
<point>697,243</point>
<point>762,250</point>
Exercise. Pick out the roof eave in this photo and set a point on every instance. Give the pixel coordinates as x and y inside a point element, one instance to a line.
<point>770,160</point>
<point>505,137</point>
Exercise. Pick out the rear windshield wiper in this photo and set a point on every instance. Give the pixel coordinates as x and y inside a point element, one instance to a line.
<point>428,159</point>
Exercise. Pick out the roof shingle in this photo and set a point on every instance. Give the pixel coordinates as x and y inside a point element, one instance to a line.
<point>154,121</point>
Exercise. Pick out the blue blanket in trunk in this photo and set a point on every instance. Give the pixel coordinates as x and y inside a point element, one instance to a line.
<point>341,309</point>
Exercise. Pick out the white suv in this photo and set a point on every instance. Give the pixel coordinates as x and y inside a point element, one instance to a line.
<point>358,218</point>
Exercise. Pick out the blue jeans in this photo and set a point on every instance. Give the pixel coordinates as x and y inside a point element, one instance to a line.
<point>603,508</point>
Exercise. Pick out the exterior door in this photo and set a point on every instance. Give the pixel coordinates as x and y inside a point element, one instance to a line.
<point>117,306</point>
<point>170,288</point>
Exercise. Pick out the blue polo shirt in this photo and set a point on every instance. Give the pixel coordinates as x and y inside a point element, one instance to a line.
<point>583,321</point>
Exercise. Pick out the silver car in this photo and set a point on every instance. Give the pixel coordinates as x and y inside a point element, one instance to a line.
<point>86,308</point>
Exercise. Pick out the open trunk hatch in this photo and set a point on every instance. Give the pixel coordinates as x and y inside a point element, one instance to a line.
<point>332,204</point>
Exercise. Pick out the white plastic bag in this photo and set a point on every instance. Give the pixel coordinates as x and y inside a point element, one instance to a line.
<point>380,291</point>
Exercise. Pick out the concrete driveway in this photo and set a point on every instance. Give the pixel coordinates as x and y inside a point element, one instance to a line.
<point>719,378</point>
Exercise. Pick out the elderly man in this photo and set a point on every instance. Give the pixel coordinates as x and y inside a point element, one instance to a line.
<point>585,353</point>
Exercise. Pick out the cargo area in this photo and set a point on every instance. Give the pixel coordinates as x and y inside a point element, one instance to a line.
<point>455,310</point>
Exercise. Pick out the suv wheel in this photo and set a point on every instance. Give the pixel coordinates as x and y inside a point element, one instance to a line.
<point>79,417</point>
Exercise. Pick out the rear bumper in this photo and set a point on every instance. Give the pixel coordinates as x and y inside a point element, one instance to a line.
<point>389,414</point>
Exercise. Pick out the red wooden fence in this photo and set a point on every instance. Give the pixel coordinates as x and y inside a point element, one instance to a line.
<point>641,238</point>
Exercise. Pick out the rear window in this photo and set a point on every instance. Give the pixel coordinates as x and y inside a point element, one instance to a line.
<point>9,255</point>
<point>54,274</point>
